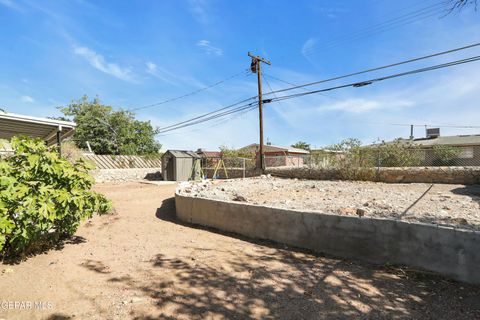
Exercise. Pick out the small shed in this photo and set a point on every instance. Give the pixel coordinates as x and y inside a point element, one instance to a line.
<point>180,165</point>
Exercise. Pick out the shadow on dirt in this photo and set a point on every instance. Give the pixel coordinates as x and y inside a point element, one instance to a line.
<point>153,176</point>
<point>42,248</point>
<point>58,316</point>
<point>271,281</point>
<point>96,266</point>
<point>472,191</point>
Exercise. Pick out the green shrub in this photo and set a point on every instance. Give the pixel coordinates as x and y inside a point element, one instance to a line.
<point>445,155</point>
<point>357,162</point>
<point>399,154</point>
<point>43,197</point>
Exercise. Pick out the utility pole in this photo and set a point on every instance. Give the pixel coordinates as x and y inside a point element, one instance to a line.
<point>255,66</point>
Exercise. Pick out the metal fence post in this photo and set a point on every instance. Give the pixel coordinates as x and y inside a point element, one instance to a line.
<point>378,163</point>
<point>243,168</point>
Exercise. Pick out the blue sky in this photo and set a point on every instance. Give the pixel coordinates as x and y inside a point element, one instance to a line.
<point>135,53</point>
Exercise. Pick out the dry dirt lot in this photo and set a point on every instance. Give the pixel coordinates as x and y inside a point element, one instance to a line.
<point>141,263</point>
<point>444,204</point>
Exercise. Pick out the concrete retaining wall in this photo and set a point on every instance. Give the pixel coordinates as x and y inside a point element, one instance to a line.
<point>448,251</point>
<point>457,175</point>
<point>118,175</point>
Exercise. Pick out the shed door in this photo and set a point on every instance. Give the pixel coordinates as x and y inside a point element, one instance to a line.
<point>169,169</point>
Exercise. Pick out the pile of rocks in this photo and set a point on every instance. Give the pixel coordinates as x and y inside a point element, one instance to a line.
<point>452,205</point>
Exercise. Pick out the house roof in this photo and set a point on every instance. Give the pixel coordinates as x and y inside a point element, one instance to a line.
<point>182,154</point>
<point>12,124</point>
<point>461,140</point>
<point>272,148</point>
<point>210,154</point>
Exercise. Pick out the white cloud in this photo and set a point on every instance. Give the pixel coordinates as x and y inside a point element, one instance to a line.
<point>308,47</point>
<point>98,62</point>
<point>151,67</point>
<point>209,49</point>
<point>176,78</point>
<point>10,4</point>
<point>27,99</point>
<point>199,10</point>
<point>365,105</point>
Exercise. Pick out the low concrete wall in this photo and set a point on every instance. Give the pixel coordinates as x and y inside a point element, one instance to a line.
<point>120,175</point>
<point>448,251</point>
<point>457,175</point>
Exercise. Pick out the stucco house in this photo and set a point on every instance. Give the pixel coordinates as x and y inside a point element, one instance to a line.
<point>277,156</point>
<point>467,148</point>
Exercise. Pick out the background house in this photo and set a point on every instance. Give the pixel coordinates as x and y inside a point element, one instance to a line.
<point>461,150</point>
<point>277,156</point>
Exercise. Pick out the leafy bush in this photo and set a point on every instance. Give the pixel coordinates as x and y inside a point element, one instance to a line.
<point>399,154</point>
<point>357,162</point>
<point>445,155</point>
<point>237,153</point>
<point>71,152</point>
<point>43,197</point>
<point>353,161</point>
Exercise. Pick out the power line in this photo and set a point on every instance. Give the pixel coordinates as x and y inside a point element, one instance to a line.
<point>293,84</point>
<point>239,114</point>
<point>209,113</point>
<point>371,81</point>
<point>378,68</point>
<point>405,19</point>
<point>245,72</point>
<point>214,114</point>
<point>248,107</point>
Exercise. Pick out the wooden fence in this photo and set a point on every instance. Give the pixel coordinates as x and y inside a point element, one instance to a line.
<point>124,162</point>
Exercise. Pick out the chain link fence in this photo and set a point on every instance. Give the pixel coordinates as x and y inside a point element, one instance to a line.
<point>227,167</point>
<point>381,156</point>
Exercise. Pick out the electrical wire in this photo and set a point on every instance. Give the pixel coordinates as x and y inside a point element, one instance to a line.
<point>371,81</point>
<point>240,106</point>
<point>245,72</point>
<point>378,68</point>
<point>293,84</point>
<point>209,113</point>
<point>218,123</point>
<point>405,19</point>
<point>202,119</point>
<point>252,105</point>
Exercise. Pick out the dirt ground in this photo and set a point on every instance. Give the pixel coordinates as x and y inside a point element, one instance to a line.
<point>443,204</point>
<point>141,263</point>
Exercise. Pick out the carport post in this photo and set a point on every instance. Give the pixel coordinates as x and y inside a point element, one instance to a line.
<point>59,139</point>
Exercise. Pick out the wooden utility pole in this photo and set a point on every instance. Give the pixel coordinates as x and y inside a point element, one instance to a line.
<point>256,68</point>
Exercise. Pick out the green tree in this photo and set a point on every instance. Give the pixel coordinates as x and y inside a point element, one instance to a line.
<point>237,153</point>
<point>301,145</point>
<point>109,131</point>
<point>346,145</point>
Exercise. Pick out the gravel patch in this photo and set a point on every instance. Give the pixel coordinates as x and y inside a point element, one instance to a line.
<point>443,204</point>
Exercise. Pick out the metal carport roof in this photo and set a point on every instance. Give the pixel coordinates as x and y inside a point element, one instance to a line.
<point>12,124</point>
